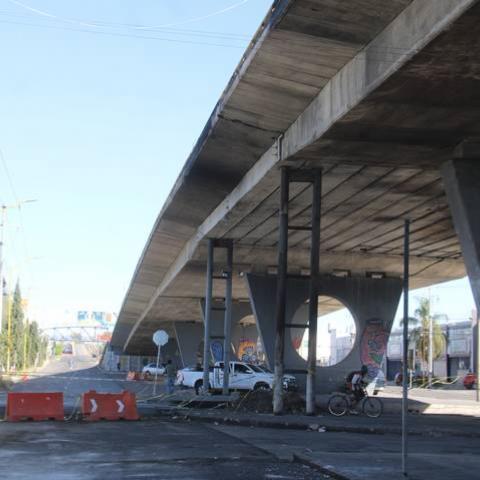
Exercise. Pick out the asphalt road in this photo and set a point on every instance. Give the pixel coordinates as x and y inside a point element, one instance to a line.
<point>367,457</point>
<point>163,449</point>
<point>76,374</point>
<point>136,450</point>
<point>116,450</point>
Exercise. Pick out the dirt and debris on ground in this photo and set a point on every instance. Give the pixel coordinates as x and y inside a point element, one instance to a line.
<point>260,401</point>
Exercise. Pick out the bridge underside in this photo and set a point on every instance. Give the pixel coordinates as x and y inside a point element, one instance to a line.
<point>377,100</point>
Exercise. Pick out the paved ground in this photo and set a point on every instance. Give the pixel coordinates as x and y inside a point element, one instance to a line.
<point>443,447</point>
<point>365,457</point>
<point>136,450</point>
<point>419,425</point>
<point>79,373</point>
<point>448,396</point>
<point>165,450</point>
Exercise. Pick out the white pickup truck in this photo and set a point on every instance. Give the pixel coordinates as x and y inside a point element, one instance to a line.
<point>243,376</point>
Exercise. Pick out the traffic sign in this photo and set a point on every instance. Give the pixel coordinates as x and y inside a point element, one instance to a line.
<point>160,338</point>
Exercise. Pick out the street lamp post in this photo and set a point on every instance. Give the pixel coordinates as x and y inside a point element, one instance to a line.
<point>4,209</point>
<point>2,225</point>
<point>9,333</point>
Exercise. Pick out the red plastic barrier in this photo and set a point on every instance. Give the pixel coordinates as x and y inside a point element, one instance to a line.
<point>34,406</point>
<point>109,406</point>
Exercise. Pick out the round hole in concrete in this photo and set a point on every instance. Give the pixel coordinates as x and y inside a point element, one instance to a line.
<point>336,331</point>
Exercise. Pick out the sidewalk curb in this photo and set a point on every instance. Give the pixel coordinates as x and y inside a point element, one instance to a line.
<point>316,466</point>
<point>179,416</point>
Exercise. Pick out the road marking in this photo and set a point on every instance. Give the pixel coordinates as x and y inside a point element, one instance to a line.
<point>121,406</point>
<point>94,405</point>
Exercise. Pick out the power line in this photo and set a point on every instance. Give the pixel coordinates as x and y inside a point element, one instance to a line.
<point>95,24</point>
<point>117,34</point>
<point>20,217</point>
<point>169,31</point>
<point>179,31</point>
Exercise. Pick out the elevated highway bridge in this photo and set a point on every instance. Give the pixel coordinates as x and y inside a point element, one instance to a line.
<point>380,96</point>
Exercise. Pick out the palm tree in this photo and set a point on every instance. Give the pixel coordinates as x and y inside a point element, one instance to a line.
<point>413,337</point>
<point>419,333</point>
<point>426,321</point>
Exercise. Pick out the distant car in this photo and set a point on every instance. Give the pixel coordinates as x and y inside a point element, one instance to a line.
<point>469,381</point>
<point>151,369</point>
<point>67,349</point>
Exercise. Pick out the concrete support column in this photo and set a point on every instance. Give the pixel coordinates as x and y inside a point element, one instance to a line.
<point>189,337</point>
<point>227,324</point>
<point>461,177</point>
<point>372,302</point>
<point>208,314</point>
<point>281,294</point>
<point>313,293</point>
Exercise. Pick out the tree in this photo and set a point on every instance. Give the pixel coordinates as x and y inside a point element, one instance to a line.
<point>422,333</point>
<point>21,342</point>
<point>17,319</point>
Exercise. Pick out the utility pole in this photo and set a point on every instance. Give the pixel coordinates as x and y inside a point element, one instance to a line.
<point>477,370</point>
<point>2,240</point>
<point>25,345</point>
<point>9,332</point>
<point>406,288</point>
<point>2,228</point>
<point>430,350</point>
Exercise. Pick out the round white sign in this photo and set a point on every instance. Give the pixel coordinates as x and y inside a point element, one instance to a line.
<point>160,338</point>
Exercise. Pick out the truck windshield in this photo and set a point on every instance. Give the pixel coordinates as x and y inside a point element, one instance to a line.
<point>255,368</point>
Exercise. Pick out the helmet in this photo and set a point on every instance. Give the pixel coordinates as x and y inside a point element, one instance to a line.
<point>364,369</point>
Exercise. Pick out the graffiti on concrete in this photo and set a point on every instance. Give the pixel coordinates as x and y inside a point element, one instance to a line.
<point>297,338</point>
<point>216,348</point>
<point>373,345</point>
<point>247,351</point>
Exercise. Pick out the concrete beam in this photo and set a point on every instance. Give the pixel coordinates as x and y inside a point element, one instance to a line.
<point>412,29</point>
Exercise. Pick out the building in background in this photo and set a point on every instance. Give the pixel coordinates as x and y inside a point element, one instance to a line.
<point>456,359</point>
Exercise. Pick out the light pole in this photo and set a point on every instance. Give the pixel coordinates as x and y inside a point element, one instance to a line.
<point>9,333</point>
<point>430,351</point>
<point>25,346</point>
<point>4,209</point>
<point>2,227</point>
<point>476,368</point>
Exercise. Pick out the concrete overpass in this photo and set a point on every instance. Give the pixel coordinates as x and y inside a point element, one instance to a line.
<point>378,95</point>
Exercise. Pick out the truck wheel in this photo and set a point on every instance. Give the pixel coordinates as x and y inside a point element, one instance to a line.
<point>199,387</point>
<point>261,386</point>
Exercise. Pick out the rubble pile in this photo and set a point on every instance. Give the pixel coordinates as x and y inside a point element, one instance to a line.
<point>260,401</point>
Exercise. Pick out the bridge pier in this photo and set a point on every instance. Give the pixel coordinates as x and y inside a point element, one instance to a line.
<point>372,303</point>
<point>244,338</point>
<point>189,336</point>
<point>461,177</point>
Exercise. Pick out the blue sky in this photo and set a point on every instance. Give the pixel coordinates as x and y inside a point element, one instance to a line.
<point>97,117</point>
<point>97,126</point>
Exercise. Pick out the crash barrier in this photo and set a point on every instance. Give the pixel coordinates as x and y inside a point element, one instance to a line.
<point>109,406</point>
<point>34,406</point>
